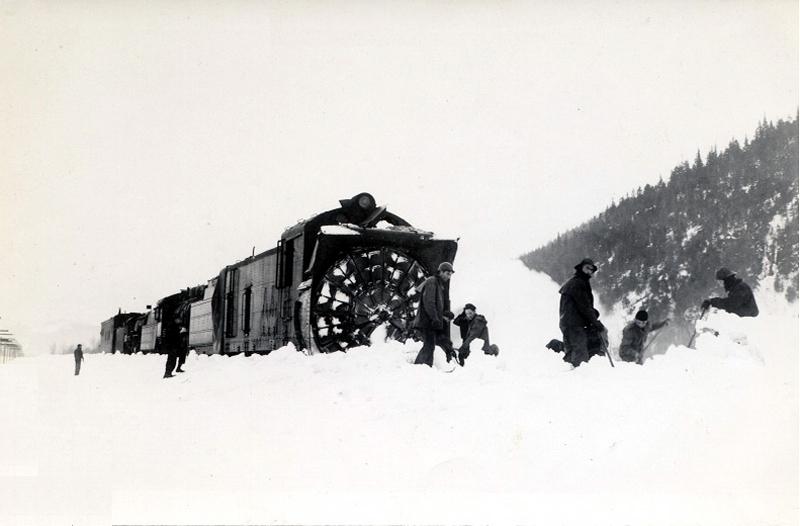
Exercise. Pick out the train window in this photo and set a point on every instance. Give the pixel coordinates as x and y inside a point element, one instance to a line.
<point>158,313</point>
<point>283,270</point>
<point>247,297</point>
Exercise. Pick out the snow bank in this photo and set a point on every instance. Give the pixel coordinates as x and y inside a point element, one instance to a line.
<point>695,436</point>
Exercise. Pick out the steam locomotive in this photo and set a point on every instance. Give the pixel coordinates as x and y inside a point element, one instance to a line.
<point>327,284</point>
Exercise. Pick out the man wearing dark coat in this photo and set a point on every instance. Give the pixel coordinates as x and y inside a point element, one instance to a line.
<point>78,352</point>
<point>184,349</point>
<point>740,300</point>
<point>434,315</point>
<point>578,320</point>
<point>172,344</point>
<point>473,326</point>
<point>634,335</point>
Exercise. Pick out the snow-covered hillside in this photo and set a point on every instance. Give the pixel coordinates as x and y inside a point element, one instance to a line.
<point>706,436</point>
<point>660,246</point>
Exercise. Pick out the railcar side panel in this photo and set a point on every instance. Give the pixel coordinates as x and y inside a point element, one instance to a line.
<point>150,331</point>
<point>107,336</point>
<point>252,317</point>
<point>201,321</point>
<point>201,329</point>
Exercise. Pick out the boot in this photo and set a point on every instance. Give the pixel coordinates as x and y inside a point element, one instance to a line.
<point>462,356</point>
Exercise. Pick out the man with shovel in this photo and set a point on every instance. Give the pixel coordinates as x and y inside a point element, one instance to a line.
<point>634,335</point>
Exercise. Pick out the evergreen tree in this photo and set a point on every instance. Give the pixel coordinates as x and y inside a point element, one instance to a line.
<point>663,244</point>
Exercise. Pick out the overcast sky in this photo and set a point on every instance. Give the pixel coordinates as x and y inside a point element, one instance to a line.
<point>145,145</point>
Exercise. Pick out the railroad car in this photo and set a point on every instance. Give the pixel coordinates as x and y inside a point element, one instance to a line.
<point>328,283</point>
<point>114,332</point>
<point>166,326</point>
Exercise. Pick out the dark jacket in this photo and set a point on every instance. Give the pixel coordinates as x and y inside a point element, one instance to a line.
<point>472,329</point>
<point>577,303</point>
<point>633,338</point>
<point>434,302</point>
<point>78,354</point>
<point>740,298</point>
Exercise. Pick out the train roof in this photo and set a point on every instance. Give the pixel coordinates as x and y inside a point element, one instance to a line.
<point>183,294</point>
<point>250,259</point>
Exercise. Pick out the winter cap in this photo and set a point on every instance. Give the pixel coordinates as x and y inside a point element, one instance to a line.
<point>445,267</point>
<point>586,261</point>
<point>724,273</point>
<point>641,315</point>
<point>470,306</point>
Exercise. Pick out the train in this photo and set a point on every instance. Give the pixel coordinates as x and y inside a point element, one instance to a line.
<point>324,287</point>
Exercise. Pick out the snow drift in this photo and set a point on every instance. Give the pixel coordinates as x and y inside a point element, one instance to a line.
<point>694,436</point>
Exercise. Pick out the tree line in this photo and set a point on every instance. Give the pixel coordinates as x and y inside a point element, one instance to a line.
<point>659,247</point>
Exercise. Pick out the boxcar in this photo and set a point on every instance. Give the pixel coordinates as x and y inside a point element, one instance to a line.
<point>113,332</point>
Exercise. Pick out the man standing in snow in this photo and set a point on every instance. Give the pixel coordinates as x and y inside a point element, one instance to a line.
<point>172,343</point>
<point>473,326</point>
<point>740,300</point>
<point>78,352</point>
<point>434,315</point>
<point>634,335</point>
<point>184,349</point>
<point>577,316</point>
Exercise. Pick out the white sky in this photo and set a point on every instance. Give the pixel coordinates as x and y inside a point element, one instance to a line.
<point>145,145</point>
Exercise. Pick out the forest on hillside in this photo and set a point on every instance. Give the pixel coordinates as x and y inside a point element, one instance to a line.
<point>659,247</point>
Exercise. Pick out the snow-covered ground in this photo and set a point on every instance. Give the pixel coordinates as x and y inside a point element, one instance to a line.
<point>706,436</point>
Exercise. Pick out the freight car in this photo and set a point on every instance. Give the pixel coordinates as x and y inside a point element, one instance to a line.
<point>327,284</point>
<point>165,325</point>
<point>115,332</point>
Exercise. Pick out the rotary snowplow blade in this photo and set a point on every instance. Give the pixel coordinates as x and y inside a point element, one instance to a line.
<point>363,278</point>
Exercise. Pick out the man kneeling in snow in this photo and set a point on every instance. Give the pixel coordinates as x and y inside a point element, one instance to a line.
<point>577,317</point>
<point>596,342</point>
<point>740,300</point>
<point>473,326</point>
<point>634,335</point>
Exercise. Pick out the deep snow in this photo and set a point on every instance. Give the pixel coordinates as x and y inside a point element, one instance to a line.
<point>706,436</point>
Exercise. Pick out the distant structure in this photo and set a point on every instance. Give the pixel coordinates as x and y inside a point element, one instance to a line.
<point>9,347</point>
